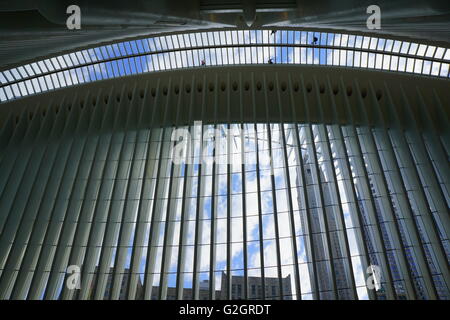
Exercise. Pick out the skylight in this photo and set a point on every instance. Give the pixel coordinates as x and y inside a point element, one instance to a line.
<point>217,48</point>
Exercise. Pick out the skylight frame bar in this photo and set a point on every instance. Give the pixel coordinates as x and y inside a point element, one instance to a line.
<point>348,179</point>
<point>243,196</point>
<point>228,196</point>
<point>428,178</point>
<point>12,224</point>
<point>318,189</point>
<point>427,219</point>
<point>200,192</point>
<point>315,289</point>
<point>156,221</point>
<point>273,191</point>
<point>60,260</point>
<point>258,191</point>
<point>100,241</point>
<point>340,221</point>
<point>185,202</point>
<point>22,283</point>
<point>215,199</point>
<point>406,209</point>
<point>386,210</point>
<point>173,188</point>
<point>144,217</point>
<point>293,237</point>
<point>128,218</point>
<point>49,233</point>
<point>353,144</point>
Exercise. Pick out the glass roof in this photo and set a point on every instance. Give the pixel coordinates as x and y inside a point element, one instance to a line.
<point>216,48</point>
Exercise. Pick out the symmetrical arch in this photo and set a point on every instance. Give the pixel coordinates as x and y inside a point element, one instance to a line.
<point>345,169</point>
<point>220,48</point>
